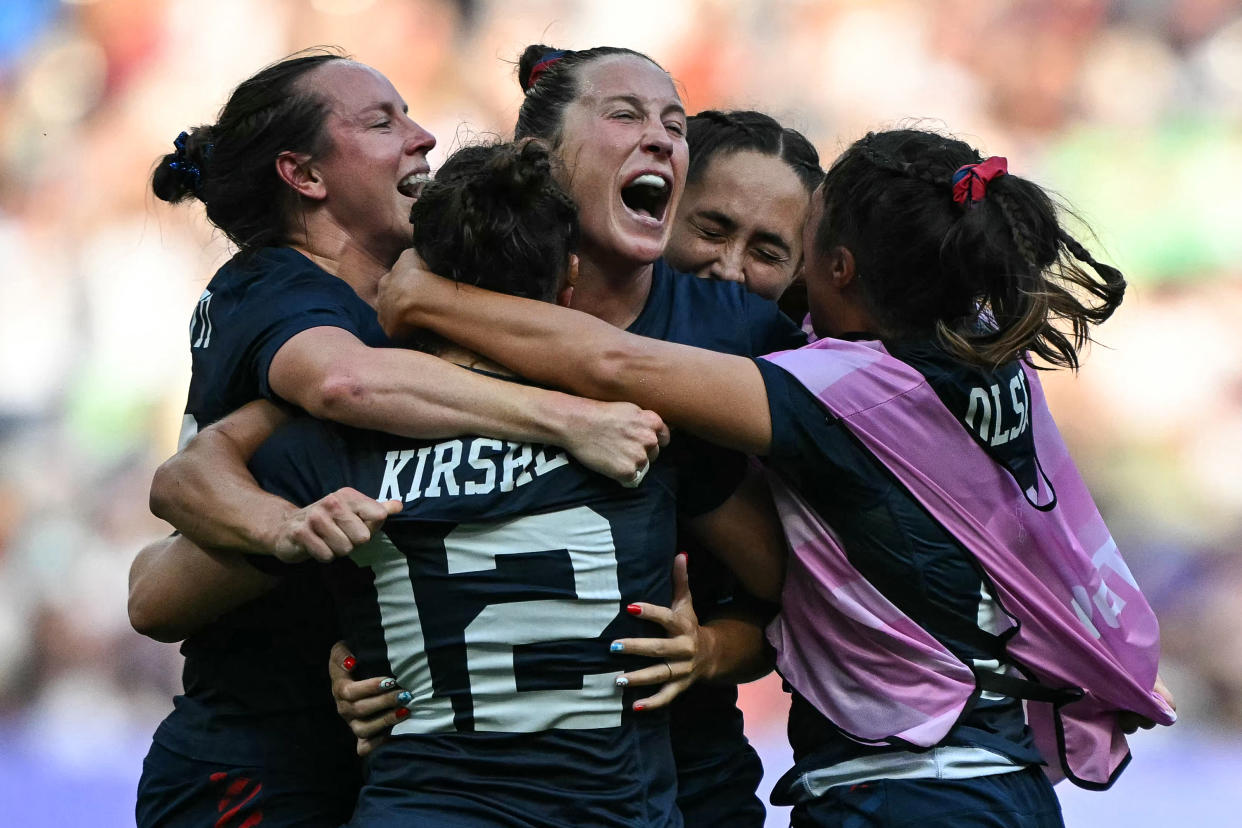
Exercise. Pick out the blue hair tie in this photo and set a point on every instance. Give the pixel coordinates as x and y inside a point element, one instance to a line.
<point>190,172</point>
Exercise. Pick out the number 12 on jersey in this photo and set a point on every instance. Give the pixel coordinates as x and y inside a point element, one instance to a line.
<point>420,618</point>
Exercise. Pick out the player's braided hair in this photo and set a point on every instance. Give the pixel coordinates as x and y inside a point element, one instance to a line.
<point>496,217</point>
<point>229,165</point>
<point>992,280</point>
<point>711,133</point>
<point>554,86</point>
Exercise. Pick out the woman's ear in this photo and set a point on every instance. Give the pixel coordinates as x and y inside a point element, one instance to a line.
<point>566,293</point>
<point>296,170</point>
<point>841,267</point>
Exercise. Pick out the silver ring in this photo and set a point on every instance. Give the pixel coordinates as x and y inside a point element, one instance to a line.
<point>670,670</point>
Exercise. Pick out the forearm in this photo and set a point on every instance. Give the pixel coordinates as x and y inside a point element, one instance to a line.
<point>541,341</point>
<point>417,395</point>
<point>209,495</point>
<point>575,351</point>
<point>175,587</point>
<point>734,651</point>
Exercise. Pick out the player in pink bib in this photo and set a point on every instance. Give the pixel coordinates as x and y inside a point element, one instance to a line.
<point>958,628</point>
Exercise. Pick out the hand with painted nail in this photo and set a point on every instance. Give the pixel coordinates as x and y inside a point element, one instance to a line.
<point>371,706</point>
<point>676,658</point>
<point>331,527</point>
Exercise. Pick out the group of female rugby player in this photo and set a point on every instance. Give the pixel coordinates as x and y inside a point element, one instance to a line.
<point>499,556</point>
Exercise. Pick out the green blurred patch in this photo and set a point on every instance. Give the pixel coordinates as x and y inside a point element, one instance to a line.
<point>1166,203</point>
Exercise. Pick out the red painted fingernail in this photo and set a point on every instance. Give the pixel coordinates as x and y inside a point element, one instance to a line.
<point>402,712</point>
<point>349,663</point>
<point>634,609</point>
<point>640,706</point>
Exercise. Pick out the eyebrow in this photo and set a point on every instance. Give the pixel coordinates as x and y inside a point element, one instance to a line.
<point>637,103</point>
<point>765,236</point>
<point>384,106</point>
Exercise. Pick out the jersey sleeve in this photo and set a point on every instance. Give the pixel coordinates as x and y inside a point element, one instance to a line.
<point>770,330</point>
<point>304,303</point>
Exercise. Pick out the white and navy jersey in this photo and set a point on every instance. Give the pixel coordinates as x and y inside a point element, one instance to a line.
<point>900,549</point>
<point>493,598</point>
<point>255,686</point>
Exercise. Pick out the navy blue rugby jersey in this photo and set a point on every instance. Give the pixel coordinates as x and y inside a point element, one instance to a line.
<point>718,771</point>
<point>901,549</point>
<point>256,691</point>
<point>493,597</point>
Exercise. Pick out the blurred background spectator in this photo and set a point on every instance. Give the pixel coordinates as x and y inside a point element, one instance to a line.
<point>1131,109</point>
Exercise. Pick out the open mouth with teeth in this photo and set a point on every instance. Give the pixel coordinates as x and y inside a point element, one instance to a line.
<point>412,185</point>
<point>647,195</point>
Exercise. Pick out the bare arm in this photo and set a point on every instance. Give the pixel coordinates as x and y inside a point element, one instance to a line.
<point>745,533</point>
<point>717,396</point>
<point>207,492</point>
<point>334,376</point>
<point>175,587</point>
<point>736,651</point>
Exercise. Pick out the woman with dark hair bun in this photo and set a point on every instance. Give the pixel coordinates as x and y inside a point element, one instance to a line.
<point>311,171</point>
<point>748,189</point>
<point>955,614</point>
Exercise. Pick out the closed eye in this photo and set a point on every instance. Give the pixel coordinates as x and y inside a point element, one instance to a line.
<point>770,256</point>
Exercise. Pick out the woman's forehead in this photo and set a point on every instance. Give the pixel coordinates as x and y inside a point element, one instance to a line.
<point>626,76</point>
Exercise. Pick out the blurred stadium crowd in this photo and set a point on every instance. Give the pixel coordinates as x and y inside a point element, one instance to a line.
<point>1131,109</point>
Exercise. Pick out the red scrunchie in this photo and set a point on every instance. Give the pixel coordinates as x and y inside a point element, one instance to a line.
<point>970,182</point>
<point>542,66</point>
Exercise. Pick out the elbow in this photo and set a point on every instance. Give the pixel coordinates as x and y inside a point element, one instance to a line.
<point>163,485</point>
<point>612,372</point>
<point>147,620</point>
<point>342,397</point>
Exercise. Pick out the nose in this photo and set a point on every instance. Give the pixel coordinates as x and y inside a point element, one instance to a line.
<point>419,140</point>
<point>728,265</point>
<point>657,141</point>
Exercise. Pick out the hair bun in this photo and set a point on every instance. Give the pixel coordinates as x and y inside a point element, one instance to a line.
<point>182,172</point>
<point>532,57</point>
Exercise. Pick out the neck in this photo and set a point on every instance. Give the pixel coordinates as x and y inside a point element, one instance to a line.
<point>614,292</point>
<point>340,254</point>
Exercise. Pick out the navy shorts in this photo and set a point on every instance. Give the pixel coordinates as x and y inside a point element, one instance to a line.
<point>1023,799</point>
<point>719,791</point>
<point>178,792</point>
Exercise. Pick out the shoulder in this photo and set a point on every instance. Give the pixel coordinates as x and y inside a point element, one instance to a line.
<point>273,271</point>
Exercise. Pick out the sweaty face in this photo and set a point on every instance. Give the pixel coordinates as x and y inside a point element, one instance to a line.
<point>741,221</point>
<point>623,143</point>
<point>375,148</point>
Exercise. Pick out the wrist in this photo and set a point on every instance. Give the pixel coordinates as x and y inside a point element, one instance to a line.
<point>708,659</point>
<point>263,533</point>
<point>566,418</point>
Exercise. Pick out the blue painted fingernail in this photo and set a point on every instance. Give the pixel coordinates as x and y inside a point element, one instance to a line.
<point>622,681</point>
<point>617,647</point>
<point>388,684</point>
<point>405,697</point>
